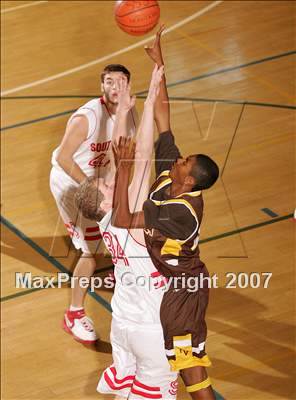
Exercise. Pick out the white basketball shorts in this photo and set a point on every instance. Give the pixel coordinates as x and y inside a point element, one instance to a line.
<point>140,369</point>
<point>84,233</point>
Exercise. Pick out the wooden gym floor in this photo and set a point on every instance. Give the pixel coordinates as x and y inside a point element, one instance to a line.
<point>231,75</point>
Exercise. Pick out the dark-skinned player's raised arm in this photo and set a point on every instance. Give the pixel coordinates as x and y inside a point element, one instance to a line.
<point>166,152</point>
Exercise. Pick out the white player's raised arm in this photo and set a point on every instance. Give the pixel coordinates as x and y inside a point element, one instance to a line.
<point>125,103</point>
<point>162,105</point>
<point>144,147</point>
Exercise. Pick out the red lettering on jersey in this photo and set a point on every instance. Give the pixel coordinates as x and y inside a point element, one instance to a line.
<point>104,146</point>
<point>99,161</point>
<point>93,147</point>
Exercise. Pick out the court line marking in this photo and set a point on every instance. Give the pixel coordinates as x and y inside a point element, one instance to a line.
<point>269,212</point>
<point>141,96</point>
<point>114,54</point>
<point>229,101</point>
<point>34,3</point>
<point>229,69</point>
<point>98,298</point>
<point>194,78</point>
<point>33,121</point>
<point>176,99</point>
<point>50,259</point>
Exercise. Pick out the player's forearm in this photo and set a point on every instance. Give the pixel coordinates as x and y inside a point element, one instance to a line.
<point>144,146</point>
<point>162,108</point>
<point>120,125</point>
<point>139,187</point>
<point>121,215</point>
<point>72,169</point>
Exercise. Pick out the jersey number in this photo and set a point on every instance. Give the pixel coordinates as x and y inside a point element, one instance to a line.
<point>114,248</point>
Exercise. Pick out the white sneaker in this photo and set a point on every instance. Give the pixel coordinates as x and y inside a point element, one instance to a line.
<point>77,324</point>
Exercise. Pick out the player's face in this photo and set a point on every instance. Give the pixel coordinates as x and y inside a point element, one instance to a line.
<point>181,169</point>
<point>110,86</point>
<point>107,190</point>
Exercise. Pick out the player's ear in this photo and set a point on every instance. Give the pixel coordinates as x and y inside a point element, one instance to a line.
<point>102,87</point>
<point>190,181</point>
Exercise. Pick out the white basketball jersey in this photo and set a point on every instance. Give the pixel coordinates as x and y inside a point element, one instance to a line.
<point>138,290</point>
<point>93,156</point>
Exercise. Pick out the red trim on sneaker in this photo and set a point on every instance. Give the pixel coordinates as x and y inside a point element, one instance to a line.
<point>77,314</point>
<point>71,316</point>
<point>68,330</point>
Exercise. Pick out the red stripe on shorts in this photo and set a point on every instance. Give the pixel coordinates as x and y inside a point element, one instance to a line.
<point>126,378</point>
<point>147,395</point>
<point>112,386</point>
<point>152,388</point>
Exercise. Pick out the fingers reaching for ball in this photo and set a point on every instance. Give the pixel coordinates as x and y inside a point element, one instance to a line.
<point>124,152</point>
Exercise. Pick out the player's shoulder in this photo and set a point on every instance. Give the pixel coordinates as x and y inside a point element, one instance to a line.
<point>162,180</point>
<point>164,176</point>
<point>193,198</point>
<point>193,201</point>
<point>92,104</point>
<point>189,203</point>
<point>85,113</point>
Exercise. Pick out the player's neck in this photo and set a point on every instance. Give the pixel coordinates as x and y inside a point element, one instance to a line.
<point>110,106</point>
<point>176,189</point>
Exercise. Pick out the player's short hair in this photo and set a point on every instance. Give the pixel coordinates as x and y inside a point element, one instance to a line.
<point>115,68</point>
<point>205,171</point>
<point>88,199</point>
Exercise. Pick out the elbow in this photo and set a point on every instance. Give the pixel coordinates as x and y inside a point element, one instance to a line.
<point>60,160</point>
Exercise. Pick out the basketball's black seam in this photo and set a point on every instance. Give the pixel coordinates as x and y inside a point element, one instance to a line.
<point>136,27</point>
<point>140,9</point>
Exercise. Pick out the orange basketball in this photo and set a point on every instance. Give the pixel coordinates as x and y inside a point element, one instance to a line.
<point>137,17</point>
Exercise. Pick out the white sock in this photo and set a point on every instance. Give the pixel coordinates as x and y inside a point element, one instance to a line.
<point>72,308</point>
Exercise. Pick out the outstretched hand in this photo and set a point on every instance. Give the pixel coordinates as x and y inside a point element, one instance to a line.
<point>154,51</point>
<point>124,153</point>
<point>125,100</point>
<point>154,84</point>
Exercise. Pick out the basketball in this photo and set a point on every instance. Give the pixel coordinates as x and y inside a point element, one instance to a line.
<point>137,17</point>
